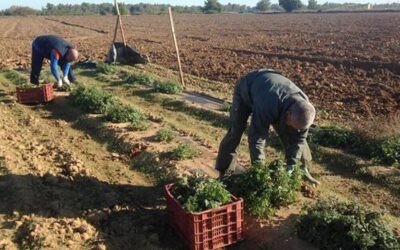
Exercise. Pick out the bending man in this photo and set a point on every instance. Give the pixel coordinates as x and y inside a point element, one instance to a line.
<point>59,52</point>
<point>272,100</point>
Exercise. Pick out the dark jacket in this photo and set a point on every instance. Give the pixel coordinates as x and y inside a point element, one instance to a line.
<point>270,96</point>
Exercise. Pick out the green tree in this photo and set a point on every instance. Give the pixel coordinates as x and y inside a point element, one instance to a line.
<point>263,5</point>
<point>312,4</point>
<point>290,5</point>
<point>212,6</point>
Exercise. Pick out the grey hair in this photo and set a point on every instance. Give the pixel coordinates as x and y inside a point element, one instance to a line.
<point>303,113</point>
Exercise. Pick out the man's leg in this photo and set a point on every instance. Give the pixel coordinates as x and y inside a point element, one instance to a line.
<point>239,115</point>
<point>71,76</point>
<point>257,146</point>
<point>306,161</point>
<point>36,67</point>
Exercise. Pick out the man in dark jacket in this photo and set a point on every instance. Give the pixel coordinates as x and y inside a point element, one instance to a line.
<point>59,52</point>
<point>270,99</point>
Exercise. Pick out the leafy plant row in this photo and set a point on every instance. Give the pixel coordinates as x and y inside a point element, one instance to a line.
<point>385,150</point>
<point>15,77</point>
<point>265,188</point>
<point>166,87</point>
<point>97,101</point>
<point>336,225</point>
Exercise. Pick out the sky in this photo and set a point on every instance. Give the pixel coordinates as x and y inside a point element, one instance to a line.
<point>37,4</point>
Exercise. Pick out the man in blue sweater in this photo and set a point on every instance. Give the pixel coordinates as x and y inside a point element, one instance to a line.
<point>59,52</point>
<point>272,100</point>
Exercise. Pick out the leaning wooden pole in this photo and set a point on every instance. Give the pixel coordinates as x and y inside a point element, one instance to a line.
<point>176,46</point>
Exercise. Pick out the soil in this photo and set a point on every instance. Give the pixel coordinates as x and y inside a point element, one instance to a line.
<point>347,63</point>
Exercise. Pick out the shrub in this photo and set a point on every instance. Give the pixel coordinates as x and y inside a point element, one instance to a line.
<point>165,134</point>
<point>92,99</point>
<point>119,113</point>
<point>184,151</point>
<point>267,187</point>
<point>140,79</point>
<point>15,77</point>
<point>168,87</point>
<point>263,5</point>
<point>336,225</point>
<point>197,193</point>
<point>105,68</point>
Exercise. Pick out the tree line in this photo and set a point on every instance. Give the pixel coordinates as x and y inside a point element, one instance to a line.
<point>210,7</point>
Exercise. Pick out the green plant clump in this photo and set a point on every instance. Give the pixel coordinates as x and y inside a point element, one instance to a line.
<point>226,106</point>
<point>385,150</point>
<point>337,225</point>
<point>137,79</point>
<point>120,113</point>
<point>197,193</point>
<point>168,87</point>
<point>15,77</point>
<point>267,187</point>
<point>165,134</point>
<point>92,99</point>
<point>105,68</point>
<point>184,151</point>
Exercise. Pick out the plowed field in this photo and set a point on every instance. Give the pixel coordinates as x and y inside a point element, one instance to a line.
<point>345,62</point>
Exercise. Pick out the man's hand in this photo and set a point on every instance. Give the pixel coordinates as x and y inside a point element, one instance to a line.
<point>59,83</point>
<point>66,81</point>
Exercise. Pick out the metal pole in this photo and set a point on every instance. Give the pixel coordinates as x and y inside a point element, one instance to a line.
<point>176,46</point>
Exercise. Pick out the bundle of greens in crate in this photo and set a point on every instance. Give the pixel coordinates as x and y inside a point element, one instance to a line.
<point>197,193</point>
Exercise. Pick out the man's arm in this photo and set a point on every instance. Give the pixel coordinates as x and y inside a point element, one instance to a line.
<point>294,150</point>
<point>54,57</point>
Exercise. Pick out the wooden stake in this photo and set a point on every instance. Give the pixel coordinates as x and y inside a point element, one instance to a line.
<point>119,21</point>
<point>176,46</point>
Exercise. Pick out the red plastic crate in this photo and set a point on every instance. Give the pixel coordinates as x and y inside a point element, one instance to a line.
<point>210,229</point>
<point>40,94</point>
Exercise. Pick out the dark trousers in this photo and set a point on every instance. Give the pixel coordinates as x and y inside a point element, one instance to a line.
<point>36,67</point>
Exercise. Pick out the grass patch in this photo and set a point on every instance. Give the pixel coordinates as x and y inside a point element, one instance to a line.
<point>184,151</point>
<point>106,68</point>
<point>385,150</point>
<point>119,113</point>
<point>15,77</point>
<point>168,87</point>
<point>92,99</point>
<point>266,188</point>
<point>137,78</point>
<point>337,225</point>
<point>198,193</point>
<point>165,135</point>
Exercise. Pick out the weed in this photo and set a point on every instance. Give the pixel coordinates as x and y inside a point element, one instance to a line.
<point>184,151</point>
<point>266,188</point>
<point>105,68</point>
<point>15,77</point>
<point>168,87</point>
<point>119,113</point>
<point>165,134</point>
<point>92,99</point>
<point>197,193</point>
<point>330,224</point>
